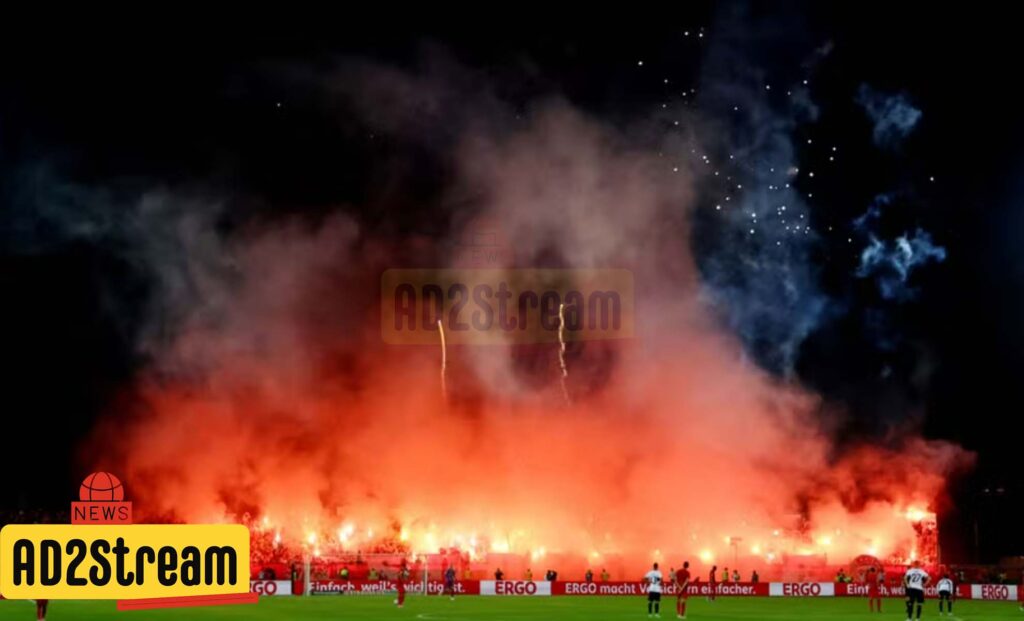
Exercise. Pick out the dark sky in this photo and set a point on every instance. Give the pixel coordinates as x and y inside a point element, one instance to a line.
<point>184,100</point>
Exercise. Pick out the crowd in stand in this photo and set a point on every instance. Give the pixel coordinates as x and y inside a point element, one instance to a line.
<point>275,559</point>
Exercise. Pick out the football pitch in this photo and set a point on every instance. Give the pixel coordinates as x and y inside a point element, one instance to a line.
<point>476,608</point>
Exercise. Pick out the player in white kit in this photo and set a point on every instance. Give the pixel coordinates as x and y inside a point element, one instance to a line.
<point>914,581</point>
<point>653,580</point>
<point>946,590</point>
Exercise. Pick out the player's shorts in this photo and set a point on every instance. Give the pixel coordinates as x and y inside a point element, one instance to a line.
<point>945,594</point>
<point>915,596</point>
<point>449,584</point>
<point>653,596</point>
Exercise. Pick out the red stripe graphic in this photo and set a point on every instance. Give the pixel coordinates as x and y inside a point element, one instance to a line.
<point>186,602</point>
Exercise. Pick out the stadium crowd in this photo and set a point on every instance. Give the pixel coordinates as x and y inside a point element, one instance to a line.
<point>382,562</point>
<point>275,558</point>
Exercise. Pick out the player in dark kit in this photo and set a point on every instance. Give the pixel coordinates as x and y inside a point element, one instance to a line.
<point>712,583</point>
<point>653,580</point>
<point>915,580</point>
<point>41,605</point>
<point>682,580</point>
<point>449,583</point>
<point>946,588</point>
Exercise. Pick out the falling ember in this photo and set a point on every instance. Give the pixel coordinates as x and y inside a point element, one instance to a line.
<point>444,361</point>
<point>561,353</point>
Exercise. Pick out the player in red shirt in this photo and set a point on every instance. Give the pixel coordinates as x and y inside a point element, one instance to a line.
<point>682,580</point>
<point>403,575</point>
<point>712,583</point>
<point>41,609</point>
<point>874,590</point>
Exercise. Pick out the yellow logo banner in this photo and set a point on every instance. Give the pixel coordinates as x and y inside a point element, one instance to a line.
<point>61,561</point>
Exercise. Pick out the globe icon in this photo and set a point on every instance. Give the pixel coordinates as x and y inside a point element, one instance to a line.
<point>101,487</point>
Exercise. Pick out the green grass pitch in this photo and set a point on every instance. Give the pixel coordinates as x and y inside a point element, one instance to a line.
<point>475,608</point>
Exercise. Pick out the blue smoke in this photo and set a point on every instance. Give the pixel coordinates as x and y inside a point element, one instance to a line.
<point>755,254</point>
<point>894,117</point>
<point>891,263</point>
<point>864,222</point>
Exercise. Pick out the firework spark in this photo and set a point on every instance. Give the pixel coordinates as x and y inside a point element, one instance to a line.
<point>561,354</point>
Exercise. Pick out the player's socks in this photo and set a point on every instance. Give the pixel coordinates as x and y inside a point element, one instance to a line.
<point>919,611</point>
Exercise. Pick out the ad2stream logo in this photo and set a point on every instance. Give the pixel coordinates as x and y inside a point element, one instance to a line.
<point>498,306</point>
<point>103,555</point>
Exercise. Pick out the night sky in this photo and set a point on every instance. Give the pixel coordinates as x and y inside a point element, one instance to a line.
<point>912,109</point>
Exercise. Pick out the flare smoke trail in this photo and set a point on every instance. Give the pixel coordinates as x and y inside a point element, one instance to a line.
<point>561,353</point>
<point>444,361</point>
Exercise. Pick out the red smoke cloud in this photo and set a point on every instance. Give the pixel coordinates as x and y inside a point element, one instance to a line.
<point>271,392</point>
